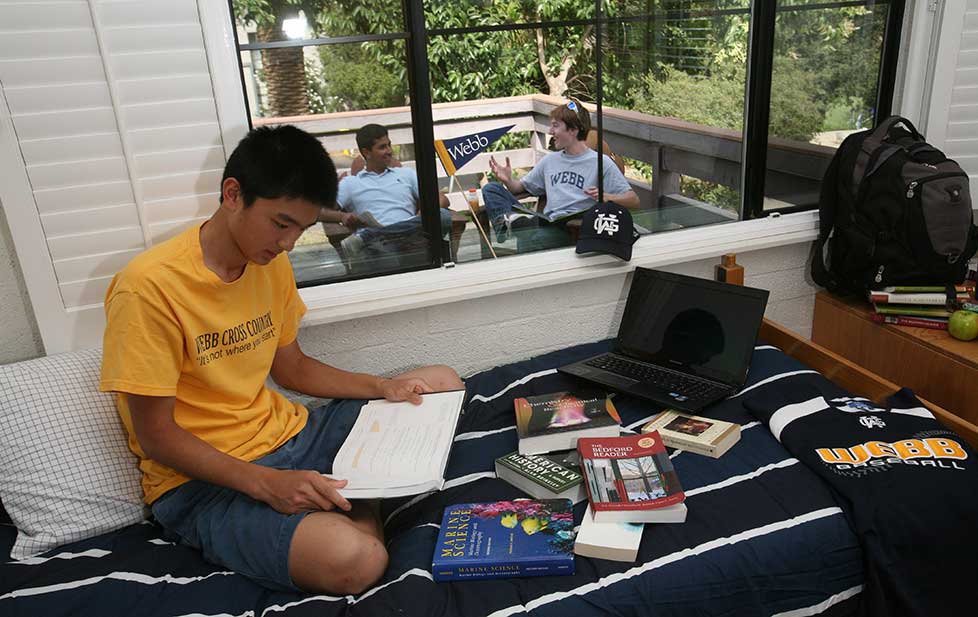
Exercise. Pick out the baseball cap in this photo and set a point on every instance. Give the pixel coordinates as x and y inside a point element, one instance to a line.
<point>607,228</point>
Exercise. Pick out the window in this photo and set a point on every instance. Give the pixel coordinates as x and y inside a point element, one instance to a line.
<point>715,110</point>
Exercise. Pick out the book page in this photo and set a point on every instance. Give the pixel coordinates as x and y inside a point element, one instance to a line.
<point>398,445</point>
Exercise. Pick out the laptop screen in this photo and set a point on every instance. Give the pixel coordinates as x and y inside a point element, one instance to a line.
<point>693,325</point>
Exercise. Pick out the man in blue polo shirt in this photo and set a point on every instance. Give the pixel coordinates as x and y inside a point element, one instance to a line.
<point>384,192</point>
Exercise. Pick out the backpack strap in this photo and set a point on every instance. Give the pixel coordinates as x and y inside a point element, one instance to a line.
<point>826,221</point>
<point>866,162</point>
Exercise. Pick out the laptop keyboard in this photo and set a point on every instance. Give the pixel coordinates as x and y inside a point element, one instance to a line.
<point>686,385</point>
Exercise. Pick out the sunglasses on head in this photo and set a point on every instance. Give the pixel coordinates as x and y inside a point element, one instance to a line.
<point>572,106</point>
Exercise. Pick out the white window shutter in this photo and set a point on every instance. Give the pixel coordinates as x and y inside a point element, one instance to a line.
<point>110,124</point>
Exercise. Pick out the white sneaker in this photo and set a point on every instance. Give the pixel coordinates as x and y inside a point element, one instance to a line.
<point>352,245</point>
<point>509,222</point>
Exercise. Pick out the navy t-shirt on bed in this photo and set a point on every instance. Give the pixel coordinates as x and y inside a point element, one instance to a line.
<point>901,476</point>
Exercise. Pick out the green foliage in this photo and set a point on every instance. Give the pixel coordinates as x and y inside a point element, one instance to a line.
<point>349,80</point>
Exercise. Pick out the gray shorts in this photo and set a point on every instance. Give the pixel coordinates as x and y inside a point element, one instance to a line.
<point>245,535</point>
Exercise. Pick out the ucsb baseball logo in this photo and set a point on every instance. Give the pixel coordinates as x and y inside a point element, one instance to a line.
<point>606,223</point>
<point>872,422</point>
<point>934,452</point>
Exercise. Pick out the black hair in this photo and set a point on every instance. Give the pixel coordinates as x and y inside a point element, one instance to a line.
<point>369,134</point>
<point>283,161</point>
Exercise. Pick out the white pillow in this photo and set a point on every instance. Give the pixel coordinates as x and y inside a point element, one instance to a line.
<point>66,471</point>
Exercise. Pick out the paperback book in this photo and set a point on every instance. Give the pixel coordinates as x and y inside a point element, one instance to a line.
<point>694,433</point>
<point>525,209</point>
<point>545,476</point>
<point>925,298</point>
<point>524,537</point>
<point>399,449</point>
<point>934,323</point>
<point>914,310</point>
<point>611,541</point>
<point>556,421</point>
<point>631,480</point>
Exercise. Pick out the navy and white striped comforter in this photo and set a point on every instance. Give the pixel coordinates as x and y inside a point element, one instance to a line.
<point>764,537</point>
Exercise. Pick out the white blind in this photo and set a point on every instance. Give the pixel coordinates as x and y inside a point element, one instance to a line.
<point>115,118</point>
<point>962,127</point>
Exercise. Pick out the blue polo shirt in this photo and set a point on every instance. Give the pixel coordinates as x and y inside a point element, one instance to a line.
<point>389,196</point>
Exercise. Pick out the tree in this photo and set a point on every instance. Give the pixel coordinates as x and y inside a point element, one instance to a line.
<point>283,69</point>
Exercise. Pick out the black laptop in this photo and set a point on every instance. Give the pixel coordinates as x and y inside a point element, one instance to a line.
<point>683,342</point>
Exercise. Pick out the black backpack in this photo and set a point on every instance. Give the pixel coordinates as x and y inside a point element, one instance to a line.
<point>894,211</point>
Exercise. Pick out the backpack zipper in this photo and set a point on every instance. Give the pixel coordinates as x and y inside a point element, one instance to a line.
<point>879,275</point>
<point>912,187</point>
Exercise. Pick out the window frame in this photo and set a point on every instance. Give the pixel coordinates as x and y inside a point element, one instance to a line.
<point>441,283</point>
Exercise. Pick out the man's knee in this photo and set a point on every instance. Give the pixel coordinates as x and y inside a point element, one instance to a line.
<point>353,567</point>
<point>443,377</point>
<point>361,567</point>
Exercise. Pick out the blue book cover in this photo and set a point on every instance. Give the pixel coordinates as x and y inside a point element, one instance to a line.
<point>524,537</point>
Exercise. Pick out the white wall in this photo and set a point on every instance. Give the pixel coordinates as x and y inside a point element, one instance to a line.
<point>474,335</point>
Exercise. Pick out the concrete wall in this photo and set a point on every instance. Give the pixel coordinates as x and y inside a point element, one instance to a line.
<point>19,337</point>
<point>475,335</point>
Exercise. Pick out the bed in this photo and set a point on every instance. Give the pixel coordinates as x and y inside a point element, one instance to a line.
<point>764,535</point>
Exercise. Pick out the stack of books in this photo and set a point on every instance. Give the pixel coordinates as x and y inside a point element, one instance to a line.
<point>917,306</point>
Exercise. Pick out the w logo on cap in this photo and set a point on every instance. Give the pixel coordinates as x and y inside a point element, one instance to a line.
<point>606,223</point>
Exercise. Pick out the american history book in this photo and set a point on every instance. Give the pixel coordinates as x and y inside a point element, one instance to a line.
<point>544,476</point>
<point>556,421</point>
<point>631,480</point>
<point>523,537</point>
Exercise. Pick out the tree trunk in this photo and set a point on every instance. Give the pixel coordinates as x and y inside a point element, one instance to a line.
<point>284,72</point>
<point>557,82</point>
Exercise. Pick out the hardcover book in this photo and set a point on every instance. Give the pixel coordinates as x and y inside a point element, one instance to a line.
<point>612,541</point>
<point>631,480</point>
<point>544,476</point>
<point>556,421</point>
<point>524,537</point>
<point>694,433</point>
<point>916,310</point>
<point>934,323</point>
<point>932,298</point>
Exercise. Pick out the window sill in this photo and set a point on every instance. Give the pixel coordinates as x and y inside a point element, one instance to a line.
<point>389,294</point>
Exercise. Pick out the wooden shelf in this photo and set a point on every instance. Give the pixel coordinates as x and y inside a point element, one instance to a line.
<point>930,362</point>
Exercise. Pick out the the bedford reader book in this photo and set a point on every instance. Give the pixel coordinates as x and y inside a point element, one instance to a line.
<point>631,480</point>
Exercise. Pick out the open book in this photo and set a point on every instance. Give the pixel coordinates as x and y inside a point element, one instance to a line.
<point>531,210</point>
<point>399,449</point>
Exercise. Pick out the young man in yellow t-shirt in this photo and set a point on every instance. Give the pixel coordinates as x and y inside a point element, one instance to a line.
<point>195,325</point>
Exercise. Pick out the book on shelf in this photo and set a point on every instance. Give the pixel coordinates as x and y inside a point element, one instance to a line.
<point>524,537</point>
<point>556,475</point>
<point>906,289</point>
<point>694,433</point>
<point>556,421</point>
<point>398,449</point>
<point>631,480</point>
<point>611,541</point>
<point>914,310</point>
<point>928,298</point>
<point>934,323</point>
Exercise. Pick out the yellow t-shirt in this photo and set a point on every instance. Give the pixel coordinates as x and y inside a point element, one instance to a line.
<point>174,328</point>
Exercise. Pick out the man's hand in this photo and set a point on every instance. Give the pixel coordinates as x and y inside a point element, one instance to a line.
<point>505,174</point>
<point>291,492</point>
<point>409,390</point>
<point>350,220</point>
<point>592,192</point>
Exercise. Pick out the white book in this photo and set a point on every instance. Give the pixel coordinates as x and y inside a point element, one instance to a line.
<point>612,541</point>
<point>399,449</point>
<point>697,434</point>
